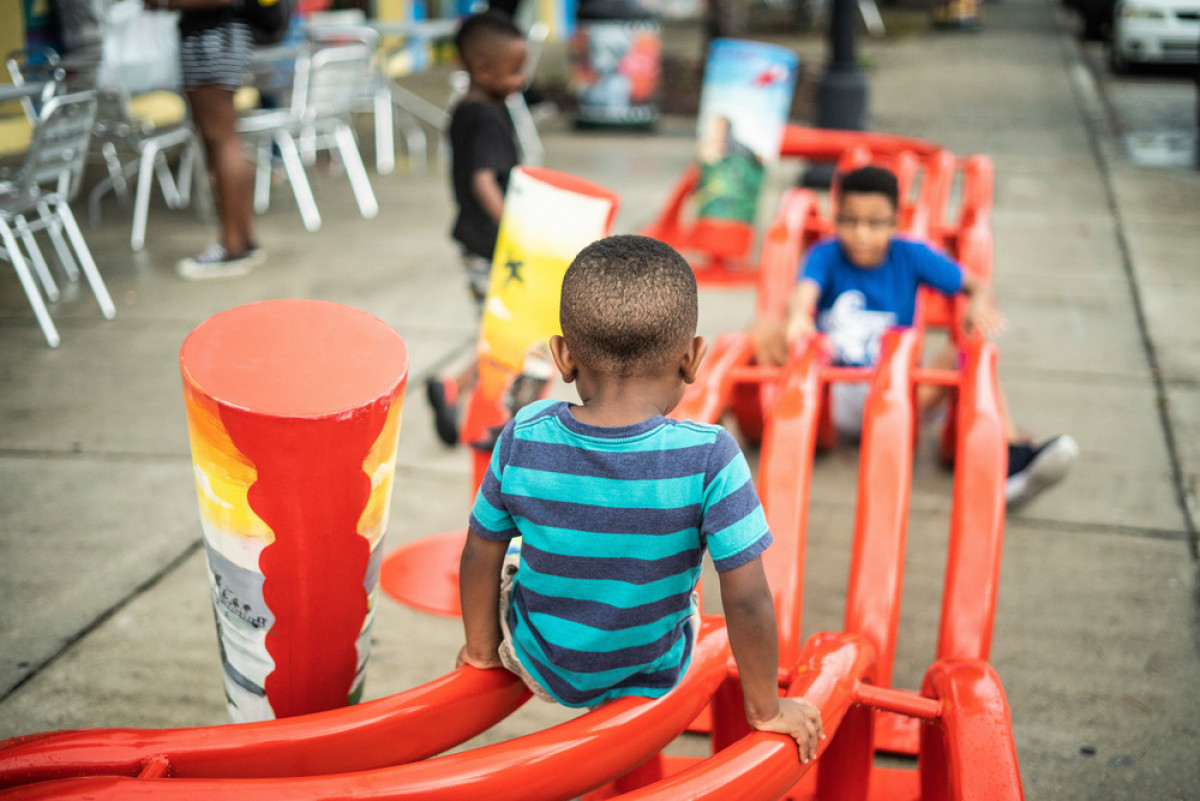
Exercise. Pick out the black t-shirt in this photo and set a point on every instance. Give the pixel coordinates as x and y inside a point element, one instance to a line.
<point>481,138</point>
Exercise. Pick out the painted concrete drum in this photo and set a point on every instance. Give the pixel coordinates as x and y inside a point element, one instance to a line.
<point>293,410</point>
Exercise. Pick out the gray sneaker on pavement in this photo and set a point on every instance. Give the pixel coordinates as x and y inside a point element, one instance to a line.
<point>215,262</point>
<point>1032,469</point>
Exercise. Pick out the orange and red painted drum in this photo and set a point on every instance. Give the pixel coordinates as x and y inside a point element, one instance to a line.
<point>293,410</point>
<point>549,216</point>
<point>744,106</point>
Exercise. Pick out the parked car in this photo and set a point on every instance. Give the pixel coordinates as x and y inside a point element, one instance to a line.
<point>1154,32</point>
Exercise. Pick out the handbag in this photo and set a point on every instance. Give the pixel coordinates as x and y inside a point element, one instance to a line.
<point>140,49</point>
<point>268,19</point>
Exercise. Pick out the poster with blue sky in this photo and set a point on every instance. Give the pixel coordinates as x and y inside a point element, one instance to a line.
<point>744,105</point>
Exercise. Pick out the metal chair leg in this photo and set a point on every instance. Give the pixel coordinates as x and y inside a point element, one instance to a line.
<point>166,181</point>
<point>187,162</point>
<point>35,256</point>
<point>86,263</point>
<point>116,171</point>
<point>262,178</point>
<point>352,161</point>
<point>414,139</point>
<point>27,283</point>
<point>141,206</point>
<point>299,181</point>
<point>54,228</point>
<point>532,151</point>
<point>385,143</point>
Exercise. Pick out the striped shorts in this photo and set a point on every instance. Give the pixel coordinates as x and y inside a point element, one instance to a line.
<point>216,56</point>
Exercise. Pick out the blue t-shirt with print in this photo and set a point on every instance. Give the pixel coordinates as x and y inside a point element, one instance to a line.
<point>858,305</point>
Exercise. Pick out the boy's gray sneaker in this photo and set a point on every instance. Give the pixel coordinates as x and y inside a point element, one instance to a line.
<point>215,262</point>
<point>1032,469</point>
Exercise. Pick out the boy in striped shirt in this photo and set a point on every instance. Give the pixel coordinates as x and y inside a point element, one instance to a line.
<point>615,505</point>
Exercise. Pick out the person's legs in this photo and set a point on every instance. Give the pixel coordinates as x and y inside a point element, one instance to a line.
<point>213,63</point>
<point>930,396</point>
<point>444,391</point>
<point>1032,467</point>
<point>847,402</point>
<point>232,173</point>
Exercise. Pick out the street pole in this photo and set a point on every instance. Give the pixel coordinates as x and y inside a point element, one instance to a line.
<point>842,92</point>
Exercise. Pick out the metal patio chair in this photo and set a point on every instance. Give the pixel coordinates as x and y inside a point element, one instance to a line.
<point>133,133</point>
<point>38,199</point>
<point>329,83</point>
<point>145,127</point>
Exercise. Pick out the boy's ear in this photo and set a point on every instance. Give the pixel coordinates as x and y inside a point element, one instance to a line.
<point>563,359</point>
<point>692,359</point>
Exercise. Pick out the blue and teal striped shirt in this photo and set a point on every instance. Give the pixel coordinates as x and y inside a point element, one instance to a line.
<point>614,523</point>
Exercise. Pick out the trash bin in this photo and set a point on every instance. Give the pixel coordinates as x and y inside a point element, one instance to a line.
<point>616,57</point>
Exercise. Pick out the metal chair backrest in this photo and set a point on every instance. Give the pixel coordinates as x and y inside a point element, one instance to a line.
<point>335,80</point>
<point>113,122</point>
<point>58,151</point>
<point>36,64</point>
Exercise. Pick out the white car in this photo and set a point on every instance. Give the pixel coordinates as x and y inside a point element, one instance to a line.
<point>1154,32</point>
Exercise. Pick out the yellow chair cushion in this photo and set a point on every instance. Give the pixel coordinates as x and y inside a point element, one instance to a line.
<point>15,135</point>
<point>160,109</point>
<point>246,98</point>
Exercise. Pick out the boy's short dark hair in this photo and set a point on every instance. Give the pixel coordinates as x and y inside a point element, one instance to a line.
<point>478,30</point>
<point>629,305</point>
<point>871,180</point>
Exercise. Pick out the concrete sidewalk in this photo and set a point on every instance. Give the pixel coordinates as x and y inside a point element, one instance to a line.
<point>106,618</point>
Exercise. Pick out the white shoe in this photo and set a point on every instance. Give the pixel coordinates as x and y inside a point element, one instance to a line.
<point>1033,469</point>
<point>215,262</point>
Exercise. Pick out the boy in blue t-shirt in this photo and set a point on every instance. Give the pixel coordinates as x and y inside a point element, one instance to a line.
<point>615,505</point>
<point>856,286</point>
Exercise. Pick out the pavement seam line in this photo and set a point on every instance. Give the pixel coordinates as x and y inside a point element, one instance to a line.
<point>103,618</point>
<point>1087,96</point>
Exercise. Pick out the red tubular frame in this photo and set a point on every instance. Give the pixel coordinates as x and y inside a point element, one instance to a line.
<point>724,257</point>
<point>959,724</point>
<point>559,762</point>
<point>404,727</point>
<point>784,483</point>
<point>884,487</point>
<point>708,396</point>
<point>971,753</point>
<point>765,766</point>
<point>783,245</point>
<point>977,521</point>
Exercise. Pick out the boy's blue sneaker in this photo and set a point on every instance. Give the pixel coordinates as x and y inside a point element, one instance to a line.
<point>1032,469</point>
<point>443,397</point>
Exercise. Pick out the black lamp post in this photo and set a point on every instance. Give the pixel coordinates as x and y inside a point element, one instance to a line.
<point>842,93</point>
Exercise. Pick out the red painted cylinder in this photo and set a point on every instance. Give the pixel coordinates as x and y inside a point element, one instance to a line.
<point>293,413</point>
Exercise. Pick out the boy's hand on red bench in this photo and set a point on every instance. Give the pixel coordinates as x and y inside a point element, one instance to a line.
<point>481,663</point>
<point>801,721</point>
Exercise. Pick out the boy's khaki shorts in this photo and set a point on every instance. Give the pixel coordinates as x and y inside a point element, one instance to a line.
<point>508,655</point>
<point>478,272</point>
<point>847,401</point>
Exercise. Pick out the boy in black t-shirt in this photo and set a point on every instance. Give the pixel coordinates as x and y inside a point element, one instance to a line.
<point>483,149</point>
